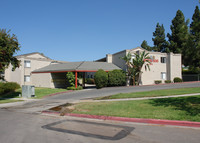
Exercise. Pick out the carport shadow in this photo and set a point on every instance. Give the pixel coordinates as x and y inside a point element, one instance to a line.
<point>189,104</point>
<point>124,130</point>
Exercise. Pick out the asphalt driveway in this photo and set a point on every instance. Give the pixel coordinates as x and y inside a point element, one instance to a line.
<point>92,93</point>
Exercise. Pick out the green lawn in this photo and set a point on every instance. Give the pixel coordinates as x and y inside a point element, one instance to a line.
<point>39,92</point>
<point>154,93</point>
<point>183,108</point>
<point>8,101</point>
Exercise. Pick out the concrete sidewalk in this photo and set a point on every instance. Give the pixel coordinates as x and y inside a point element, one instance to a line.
<point>142,98</point>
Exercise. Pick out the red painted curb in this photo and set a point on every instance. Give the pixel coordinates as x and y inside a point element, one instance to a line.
<point>137,120</point>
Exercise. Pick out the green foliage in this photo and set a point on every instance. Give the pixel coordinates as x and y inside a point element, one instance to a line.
<point>134,67</point>
<point>194,40</point>
<point>74,88</point>
<point>101,79</point>
<point>116,78</point>
<point>89,80</point>
<point>157,81</point>
<point>8,47</point>
<point>145,46</point>
<point>179,37</point>
<point>70,79</point>
<point>160,44</point>
<point>177,79</point>
<point>168,81</point>
<point>8,87</point>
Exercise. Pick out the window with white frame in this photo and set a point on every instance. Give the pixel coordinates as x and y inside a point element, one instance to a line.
<point>27,64</point>
<point>163,75</point>
<point>27,78</point>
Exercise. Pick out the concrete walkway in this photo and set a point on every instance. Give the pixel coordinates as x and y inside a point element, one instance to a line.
<point>142,98</point>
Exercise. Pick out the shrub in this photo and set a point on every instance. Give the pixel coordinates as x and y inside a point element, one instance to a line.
<point>74,88</point>
<point>90,81</point>
<point>157,81</point>
<point>70,79</point>
<point>101,79</point>
<point>177,79</point>
<point>116,78</point>
<point>168,81</point>
<point>8,87</point>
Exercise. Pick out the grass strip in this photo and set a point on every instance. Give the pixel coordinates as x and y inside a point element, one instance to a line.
<point>39,92</point>
<point>154,93</point>
<point>182,108</point>
<point>9,101</point>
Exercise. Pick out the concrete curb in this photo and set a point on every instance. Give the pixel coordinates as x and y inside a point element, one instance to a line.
<point>137,120</point>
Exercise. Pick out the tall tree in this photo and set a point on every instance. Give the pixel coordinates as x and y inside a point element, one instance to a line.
<point>194,40</point>
<point>8,47</point>
<point>145,45</point>
<point>179,37</point>
<point>160,43</point>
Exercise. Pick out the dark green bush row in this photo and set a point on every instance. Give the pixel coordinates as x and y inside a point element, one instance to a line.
<point>74,88</point>
<point>168,81</point>
<point>101,79</point>
<point>112,78</point>
<point>177,79</point>
<point>157,81</point>
<point>8,87</point>
<point>116,78</point>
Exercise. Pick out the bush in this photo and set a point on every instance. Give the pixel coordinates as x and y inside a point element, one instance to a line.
<point>116,78</point>
<point>157,81</point>
<point>70,79</point>
<point>168,81</point>
<point>90,81</point>
<point>8,87</point>
<point>177,79</point>
<point>101,79</point>
<point>74,88</point>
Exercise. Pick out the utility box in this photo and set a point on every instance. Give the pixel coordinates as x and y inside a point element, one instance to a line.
<point>28,91</point>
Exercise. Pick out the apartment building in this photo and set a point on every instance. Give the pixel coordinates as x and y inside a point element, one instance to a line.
<point>41,71</point>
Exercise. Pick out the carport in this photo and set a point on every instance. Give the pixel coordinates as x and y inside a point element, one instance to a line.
<point>76,67</point>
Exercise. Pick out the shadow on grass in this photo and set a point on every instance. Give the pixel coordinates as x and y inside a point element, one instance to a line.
<point>10,95</point>
<point>191,105</point>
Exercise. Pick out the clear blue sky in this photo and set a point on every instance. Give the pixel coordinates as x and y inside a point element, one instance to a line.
<point>86,30</point>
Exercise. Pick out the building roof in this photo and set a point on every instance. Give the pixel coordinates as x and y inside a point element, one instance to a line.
<point>77,66</point>
<point>33,53</point>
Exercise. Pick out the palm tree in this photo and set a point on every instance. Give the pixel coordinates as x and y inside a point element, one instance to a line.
<point>134,67</point>
<point>138,62</point>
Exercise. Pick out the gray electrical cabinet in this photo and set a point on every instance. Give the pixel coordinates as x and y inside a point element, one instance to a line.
<point>28,91</point>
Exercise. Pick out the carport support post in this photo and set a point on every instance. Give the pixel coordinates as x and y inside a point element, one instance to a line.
<point>76,79</point>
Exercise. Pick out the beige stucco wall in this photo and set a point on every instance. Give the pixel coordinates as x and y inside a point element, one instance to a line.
<point>37,61</point>
<point>116,59</point>
<point>41,80</point>
<point>172,67</point>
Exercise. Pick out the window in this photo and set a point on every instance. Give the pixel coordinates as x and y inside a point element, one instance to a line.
<point>163,75</point>
<point>27,78</point>
<point>163,59</point>
<point>27,64</point>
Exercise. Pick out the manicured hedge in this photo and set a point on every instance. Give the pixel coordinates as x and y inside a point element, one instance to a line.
<point>8,87</point>
<point>101,79</point>
<point>116,78</point>
<point>157,81</point>
<point>177,79</point>
<point>168,81</point>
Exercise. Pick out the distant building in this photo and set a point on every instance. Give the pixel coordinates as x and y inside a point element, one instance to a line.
<point>41,71</point>
<point>29,63</point>
<point>165,66</point>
